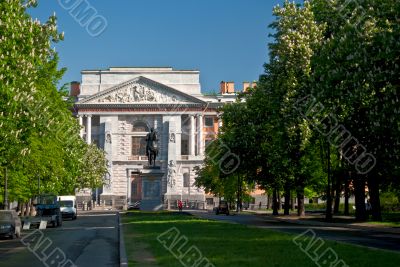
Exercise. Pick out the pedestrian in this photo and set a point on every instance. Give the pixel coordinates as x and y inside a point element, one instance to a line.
<point>368,207</point>
<point>180,205</point>
<point>259,205</point>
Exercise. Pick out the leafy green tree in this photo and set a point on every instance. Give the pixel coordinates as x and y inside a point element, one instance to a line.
<point>356,78</point>
<point>40,144</point>
<point>287,76</point>
<point>210,177</point>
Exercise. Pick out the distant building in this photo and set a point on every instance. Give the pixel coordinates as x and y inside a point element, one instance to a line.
<point>118,107</point>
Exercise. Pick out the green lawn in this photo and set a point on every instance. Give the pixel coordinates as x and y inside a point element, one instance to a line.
<point>225,244</point>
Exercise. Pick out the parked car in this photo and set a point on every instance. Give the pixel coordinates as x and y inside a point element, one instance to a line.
<point>223,208</point>
<point>68,207</point>
<point>134,205</point>
<point>10,224</point>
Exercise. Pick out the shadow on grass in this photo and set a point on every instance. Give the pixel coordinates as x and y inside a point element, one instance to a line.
<point>226,244</point>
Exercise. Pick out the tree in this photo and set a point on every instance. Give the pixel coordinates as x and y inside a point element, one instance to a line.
<point>210,177</point>
<point>287,77</point>
<point>356,77</point>
<point>40,139</point>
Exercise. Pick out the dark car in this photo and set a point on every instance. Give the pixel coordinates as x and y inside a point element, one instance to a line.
<point>10,224</point>
<point>134,205</point>
<point>223,208</point>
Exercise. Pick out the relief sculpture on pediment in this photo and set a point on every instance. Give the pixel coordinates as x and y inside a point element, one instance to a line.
<point>140,94</point>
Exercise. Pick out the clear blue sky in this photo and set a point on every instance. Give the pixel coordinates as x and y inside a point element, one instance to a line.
<point>224,39</point>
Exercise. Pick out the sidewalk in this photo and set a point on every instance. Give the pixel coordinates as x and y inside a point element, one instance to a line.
<point>313,220</point>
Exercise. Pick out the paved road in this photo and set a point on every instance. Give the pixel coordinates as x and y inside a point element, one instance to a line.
<point>373,239</point>
<point>91,240</point>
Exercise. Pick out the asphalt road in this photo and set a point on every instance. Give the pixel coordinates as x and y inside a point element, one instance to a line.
<point>91,240</point>
<point>361,237</point>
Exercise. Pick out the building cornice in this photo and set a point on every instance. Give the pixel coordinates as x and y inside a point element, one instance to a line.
<point>162,108</point>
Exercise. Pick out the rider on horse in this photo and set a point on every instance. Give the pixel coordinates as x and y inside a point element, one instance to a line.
<point>151,146</point>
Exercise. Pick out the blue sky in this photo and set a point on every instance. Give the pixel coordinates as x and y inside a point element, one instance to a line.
<point>224,39</point>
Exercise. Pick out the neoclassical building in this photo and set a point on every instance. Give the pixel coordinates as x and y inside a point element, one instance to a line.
<point>117,107</point>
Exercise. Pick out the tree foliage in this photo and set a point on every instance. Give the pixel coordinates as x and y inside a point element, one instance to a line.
<point>326,110</point>
<point>40,140</point>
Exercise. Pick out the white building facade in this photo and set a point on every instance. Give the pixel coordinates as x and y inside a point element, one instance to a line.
<point>118,107</point>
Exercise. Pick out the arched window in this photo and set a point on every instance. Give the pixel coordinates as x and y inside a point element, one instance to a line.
<point>140,126</point>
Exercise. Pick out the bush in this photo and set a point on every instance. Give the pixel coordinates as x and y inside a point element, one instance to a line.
<point>315,206</point>
<point>389,202</point>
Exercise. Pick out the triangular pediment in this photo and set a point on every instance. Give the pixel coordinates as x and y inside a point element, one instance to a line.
<point>140,90</point>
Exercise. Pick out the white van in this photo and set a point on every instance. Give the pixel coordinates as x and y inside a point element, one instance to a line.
<point>68,207</point>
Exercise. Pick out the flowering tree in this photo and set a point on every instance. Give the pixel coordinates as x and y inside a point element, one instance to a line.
<point>342,56</point>
<point>357,78</point>
<point>40,140</point>
<point>287,78</point>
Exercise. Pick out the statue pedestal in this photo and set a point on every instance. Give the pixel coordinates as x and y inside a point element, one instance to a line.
<point>151,188</point>
<point>151,167</point>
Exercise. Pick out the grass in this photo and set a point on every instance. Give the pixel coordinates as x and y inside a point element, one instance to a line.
<point>226,244</point>
<point>390,224</point>
<point>391,219</point>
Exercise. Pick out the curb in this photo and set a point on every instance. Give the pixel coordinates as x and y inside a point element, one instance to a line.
<point>123,259</point>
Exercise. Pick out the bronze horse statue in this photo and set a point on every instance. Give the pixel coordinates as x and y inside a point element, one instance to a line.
<point>151,147</point>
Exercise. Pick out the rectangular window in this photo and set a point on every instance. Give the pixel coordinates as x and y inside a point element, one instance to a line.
<point>186,179</point>
<point>184,147</point>
<point>95,121</point>
<point>209,121</point>
<point>138,146</point>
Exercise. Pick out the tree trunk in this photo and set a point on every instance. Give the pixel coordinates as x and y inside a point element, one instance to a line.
<point>359,193</point>
<point>31,208</point>
<point>338,192</point>
<point>23,207</point>
<point>287,200</point>
<point>275,203</point>
<point>300,201</point>
<point>328,215</point>
<point>238,205</point>
<point>292,203</point>
<point>269,201</point>
<point>347,194</point>
<point>373,187</point>
<point>279,200</point>
<point>19,206</point>
<point>28,208</point>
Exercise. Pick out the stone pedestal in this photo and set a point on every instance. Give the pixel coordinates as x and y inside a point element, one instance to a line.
<point>151,189</point>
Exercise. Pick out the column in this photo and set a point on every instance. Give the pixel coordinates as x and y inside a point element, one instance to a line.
<point>178,135</point>
<point>172,174</point>
<point>200,135</point>
<point>192,142</point>
<point>129,185</point>
<point>89,129</point>
<point>80,118</point>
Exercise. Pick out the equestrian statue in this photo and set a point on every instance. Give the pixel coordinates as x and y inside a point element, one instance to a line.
<point>151,147</point>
